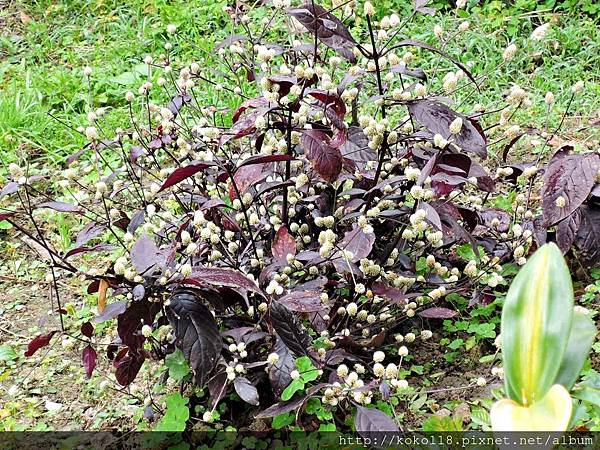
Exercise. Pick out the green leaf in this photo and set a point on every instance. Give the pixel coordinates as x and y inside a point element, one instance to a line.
<point>466,252</point>
<point>441,423</point>
<point>177,365</point>
<point>132,77</point>
<point>588,394</point>
<point>283,420</point>
<point>308,372</point>
<point>293,387</point>
<point>487,359</point>
<point>304,363</point>
<point>583,333</point>
<point>176,414</point>
<point>456,344</point>
<point>480,417</point>
<point>7,353</point>
<point>327,427</point>
<point>536,322</point>
<point>5,225</point>
<point>314,406</point>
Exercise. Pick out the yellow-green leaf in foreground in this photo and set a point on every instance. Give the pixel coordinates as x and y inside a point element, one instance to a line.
<point>551,413</point>
<point>536,322</point>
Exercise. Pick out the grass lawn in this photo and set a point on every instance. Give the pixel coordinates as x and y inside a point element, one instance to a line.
<point>44,46</point>
<point>45,97</point>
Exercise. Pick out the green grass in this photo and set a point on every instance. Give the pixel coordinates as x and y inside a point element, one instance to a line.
<point>41,63</point>
<point>45,44</point>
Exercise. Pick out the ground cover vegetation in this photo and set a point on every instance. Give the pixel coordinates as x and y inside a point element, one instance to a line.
<point>281,215</point>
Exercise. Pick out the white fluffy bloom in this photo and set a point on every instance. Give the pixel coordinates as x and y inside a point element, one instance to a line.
<point>456,125</point>
<point>509,52</point>
<point>464,26</point>
<point>540,32</point>
<point>91,133</point>
<point>378,356</point>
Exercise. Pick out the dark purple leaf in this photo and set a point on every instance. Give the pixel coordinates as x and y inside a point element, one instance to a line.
<point>250,103</point>
<point>230,40</point>
<point>72,158</point>
<point>437,313</point>
<point>89,232</point>
<point>95,248</point>
<point>358,243</point>
<point>414,43</point>
<point>281,408</point>
<point>217,388</point>
<point>370,421</point>
<point>283,244</point>
<point>287,326</point>
<point>111,311</point>
<point>10,188</point>
<point>414,73</point>
<point>325,159</point>
<point>60,206</point>
<point>4,216</point>
<point>89,357</point>
<point>219,277</point>
<point>331,102</point>
<point>238,333</point>
<point>196,334</point>
<point>490,215</point>
<point>87,329</point>
<point>279,373</point>
<point>130,322</point>
<point>588,236</point>
<point>144,254</point>
<point>178,101</point>
<point>303,301</point>
<point>263,159</point>
<point>246,390</point>
<point>420,6</point>
<point>41,340</point>
<point>566,231</point>
<point>393,295</point>
<point>246,177</point>
<point>329,29</point>
<point>356,148</point>
<point>432,215</point>
<point>437,117</point>
<point>572,178</point>
<point>137,219</point>
<point>510,145</point>
<point>385,390</point>
<point>128,367</point>
<point>182,173</point>
<point>136,152</point>
<point>244,126</point>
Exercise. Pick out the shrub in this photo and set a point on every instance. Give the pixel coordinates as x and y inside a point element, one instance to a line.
<point>293,247</point>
